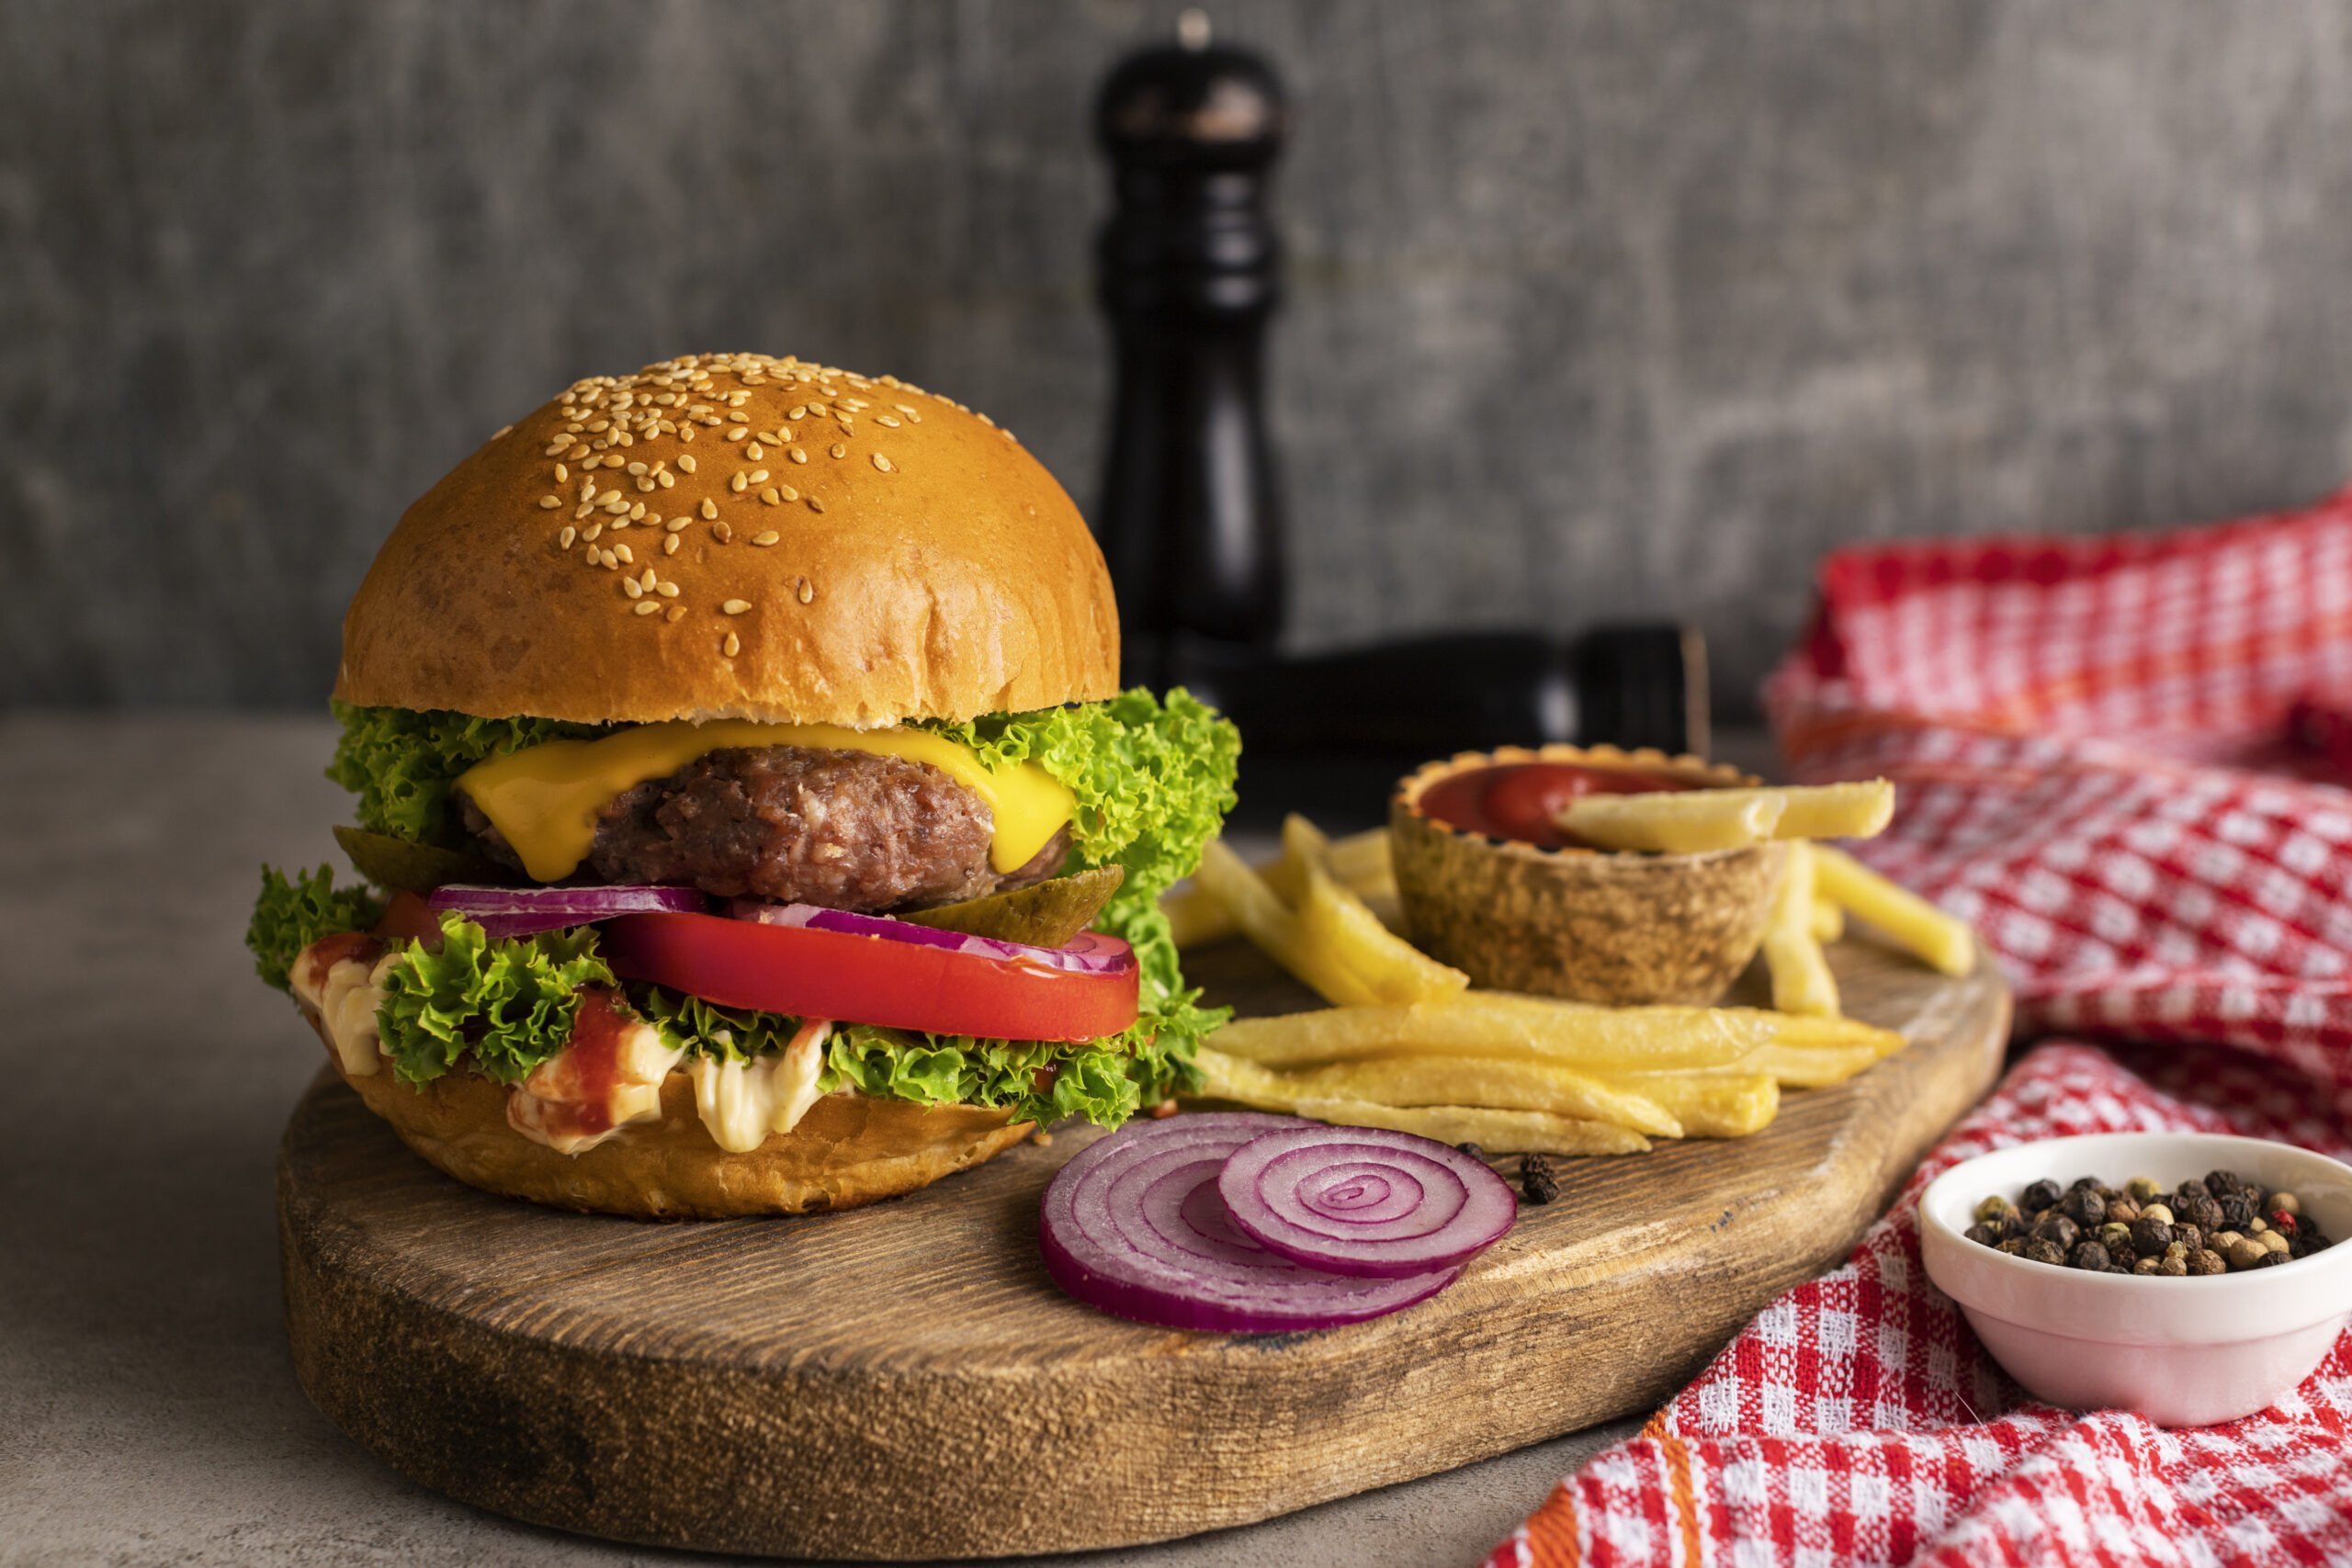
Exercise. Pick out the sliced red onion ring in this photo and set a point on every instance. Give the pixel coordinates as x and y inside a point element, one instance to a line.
<point>504,912</point>
<point>1089,953</point>
<point>1134,1227</point>
<point>1365,1201</point>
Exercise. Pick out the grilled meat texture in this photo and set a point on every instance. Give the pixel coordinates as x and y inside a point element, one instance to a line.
<point>842,829</point>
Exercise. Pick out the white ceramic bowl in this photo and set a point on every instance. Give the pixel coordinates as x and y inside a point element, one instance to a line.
<point>2183,1352</point>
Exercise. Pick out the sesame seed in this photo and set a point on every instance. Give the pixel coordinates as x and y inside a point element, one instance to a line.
<point>753,451</point>
<point>686,461</point>
<point>670,545</point>
<point>636,511</point>
<point>562,473</point>
<point>554,448</point>
<point>800,453</point>
<point>759,476</point>
<point>566,537</point>
<point>593,529</point>
<point>736,434</point>
<point>816,505</point>
<point>549,503</point>
<point>667,590</point>
<point>649,607</point>
<point>788,492</point>
<point>736,606</point>
<point>881,462</point>
<point>622,551</point>
<point>737,484</point>
<point>577,453</point>
<point>732,646</point>
<point>886,418</point>
<point>645,484</point>
<point>908,412</point>
<point>838,450</point>
<point>647,579</point>
<point>677,522</point>
<point>668,480</point>
<point>806,591</point>
<point>610,560</point>
<point>721,532</point>
<point>609,497</point>
<point>588,491</point>
<point>766,536</point>
<point>616,506</point>
<point>630,586</point>
<point>637,469</point>
<point>600,425</point>
<point>687,432</point>
<point>590,558</point>
<point>709,508</point>
<point>675,614</point>
<point>799,410</point>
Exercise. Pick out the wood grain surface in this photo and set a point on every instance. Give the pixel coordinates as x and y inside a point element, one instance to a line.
<point>903,1381</point>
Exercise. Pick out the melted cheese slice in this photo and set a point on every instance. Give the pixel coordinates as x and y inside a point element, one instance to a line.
<point>545,799</point>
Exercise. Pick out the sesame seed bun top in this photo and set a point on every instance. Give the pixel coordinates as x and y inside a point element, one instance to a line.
<point>736,537</point>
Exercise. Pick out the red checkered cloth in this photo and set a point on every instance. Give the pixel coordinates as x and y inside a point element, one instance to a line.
<point>2096,746</point>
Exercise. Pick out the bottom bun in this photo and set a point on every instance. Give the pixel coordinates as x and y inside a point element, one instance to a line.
<point>847,1151</point>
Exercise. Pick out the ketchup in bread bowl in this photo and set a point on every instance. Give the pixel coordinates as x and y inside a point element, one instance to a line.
<point>754,819</point>
<point>1490,885</point>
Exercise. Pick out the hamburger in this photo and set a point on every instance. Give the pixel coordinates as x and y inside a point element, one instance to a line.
<point>747,818</point>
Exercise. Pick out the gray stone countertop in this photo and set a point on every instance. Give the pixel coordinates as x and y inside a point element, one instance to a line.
<point>149,1412</point>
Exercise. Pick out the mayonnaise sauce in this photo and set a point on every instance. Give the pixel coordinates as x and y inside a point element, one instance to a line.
<point>606,1078</point>
<point>742,1102</point>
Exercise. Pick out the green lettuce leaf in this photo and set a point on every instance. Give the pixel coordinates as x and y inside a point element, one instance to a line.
<point>400,762</point>
<point>293,912</point>
<point>510,1003</point>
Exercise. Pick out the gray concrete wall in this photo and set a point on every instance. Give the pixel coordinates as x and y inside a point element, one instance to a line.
<point>1599,308</point>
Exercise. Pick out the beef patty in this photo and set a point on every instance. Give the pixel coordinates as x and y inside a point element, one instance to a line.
<point>842,829</point>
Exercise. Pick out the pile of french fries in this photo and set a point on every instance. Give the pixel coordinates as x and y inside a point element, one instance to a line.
<point>1407,1045</point>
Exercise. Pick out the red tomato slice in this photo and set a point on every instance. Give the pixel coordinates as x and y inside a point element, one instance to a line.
<point>868,979</point>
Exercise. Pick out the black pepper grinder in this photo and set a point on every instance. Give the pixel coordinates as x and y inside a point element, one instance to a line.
<point>1190,519</point>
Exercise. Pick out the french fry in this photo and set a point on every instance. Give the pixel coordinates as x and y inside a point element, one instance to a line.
<point>1503,1132</point>
<point>1712,1105</point>
<point>1808,1067</point>
<point>1196,918</point>
<point>1269,922</point>
<point>1689,822</point>
<point>1800,1029</point>
<point>1488,1025</point>
<point>1391,968</point>
<point>1496,1084</point>
<point>1828,921</point>
<point>1943,941</point>
<point>1858,811</point>
<point>1801,979</point>
<point>1359,862</point>
<point>1675,822</point>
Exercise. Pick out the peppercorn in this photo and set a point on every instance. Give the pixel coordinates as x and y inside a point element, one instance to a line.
<point>2273,1241</point>
<point>2083,1184</point>
<point>2151,1235</point>
<point>2256,1225</point>
<point>2122,1211</point>
<point>2287,1202</point>
<point>2114,1235</point>
<point>2042,1249</point>
<point>2148,1266</point>
<point>1984,1236</point>
<point>2091,1255</point>
<point>2221,1183</point>
<point>2162,1211</point>
<point>2014,1246</point>
<point>2015,1226</point>
<point>2172,1268</point>
<point>2271,1260</point>
<point>2236,1209</point>
<point>2039,1196</point>
<point>1537,1179</point>
<point>2223,1240</point>
<point>2141,1189</point>
<point>2207,1261</point>
<point>2283,1222</point>
<point>2246,1252</point>
<point>1473,1150</point>
<point>2056,1229</point>
<point>2177,1248</point>
<point>1992,1210</point>
<point>2084,1206</point>
<point>2186,1237</point>
<point>2198,1209</point>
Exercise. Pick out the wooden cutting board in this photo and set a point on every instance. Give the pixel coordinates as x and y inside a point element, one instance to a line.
<point>903,1381</point>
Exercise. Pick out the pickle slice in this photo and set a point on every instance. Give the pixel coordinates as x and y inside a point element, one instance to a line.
<point>1047,915</point>
<point>420,868</point>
